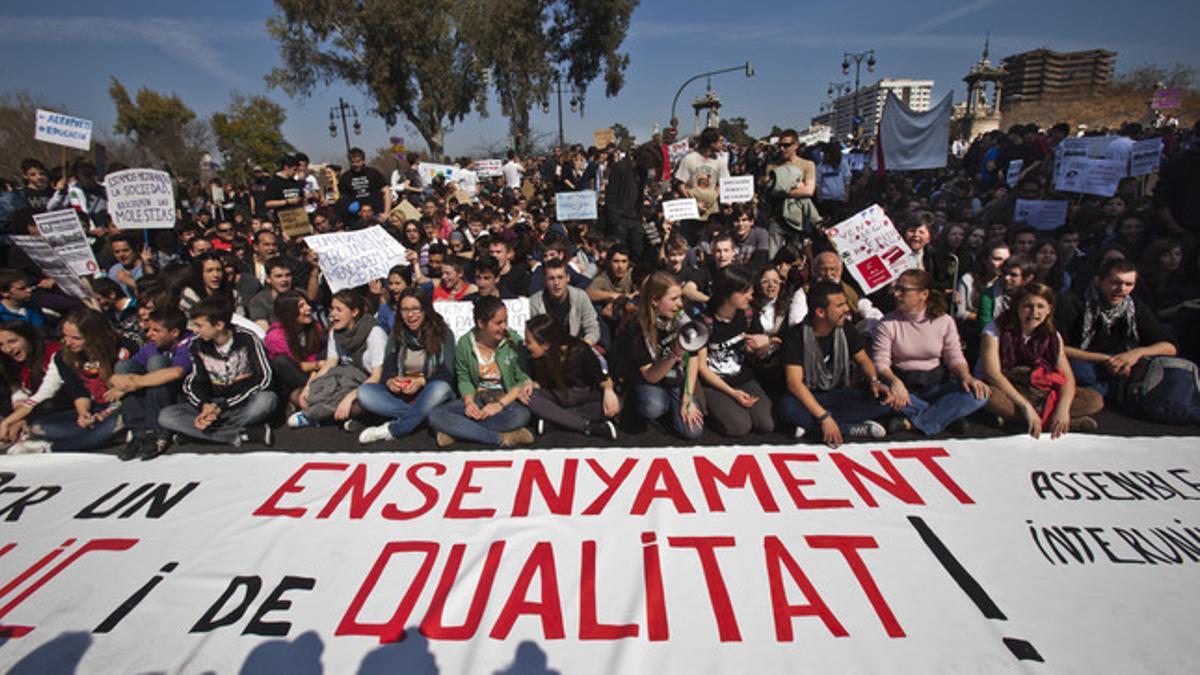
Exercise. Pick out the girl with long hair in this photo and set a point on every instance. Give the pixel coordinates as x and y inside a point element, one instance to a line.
<point>398,280</point>
<point>207,279</point>
<point>1049,266</point>
<point>735,400</point>
<point>294,343</point>
<point>666,373</point>
<point>24,358</point>
<point>570,386</point>
<point>417,373</point>
<point>1022,357</point>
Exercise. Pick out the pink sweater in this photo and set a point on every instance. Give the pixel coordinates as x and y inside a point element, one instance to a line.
<point>915,342</point>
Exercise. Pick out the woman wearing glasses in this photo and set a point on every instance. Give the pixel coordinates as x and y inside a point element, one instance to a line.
<point>918,355</point>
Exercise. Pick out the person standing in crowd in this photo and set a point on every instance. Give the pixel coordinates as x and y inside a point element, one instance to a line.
<point>417,373</point>
<point>362,184</point>
<point>791,215</point>
<point>490,370</point>
<point>701,169</point>
<point>916,351</point>
<point>570,386</point>
<point>150,381</point>
<point>25,357</point>
<point>1023,359</point>
<point>283,190</point>
<point>512,170</point>
<point>736,402</point>
<point>666,373</point>
<point>36,189</point>
<point>294,343</point>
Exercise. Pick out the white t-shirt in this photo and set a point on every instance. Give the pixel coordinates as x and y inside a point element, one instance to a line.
<point>512,174</point>
<point>376,345</point>
<point>695,165</point>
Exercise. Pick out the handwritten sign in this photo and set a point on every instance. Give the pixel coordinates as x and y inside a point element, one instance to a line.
<point>676,210</point>
<point>460,318</point>
<point>73,132</point>
<point>1043,214</point>
<point>62,230</point>
<point>489,168</point>
<point>1090,176</point>
<point>871,248</point>
<point>294,222</point>
<point>575,205</point>
<point>351,259</point>
<point>737,189</point>
<point>1145,157</point>
<point>52,265</point>
<point>602,138</point>
<point>141,199</point>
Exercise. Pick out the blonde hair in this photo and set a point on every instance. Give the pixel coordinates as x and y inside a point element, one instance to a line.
<point>653,289</point>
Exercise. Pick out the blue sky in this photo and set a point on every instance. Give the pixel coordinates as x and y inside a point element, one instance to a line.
<point>204,51</point>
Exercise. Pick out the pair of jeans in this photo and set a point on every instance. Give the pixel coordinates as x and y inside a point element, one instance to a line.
<point>451,419</point>
<point>141,408</point>
<point>847,405</point>
<point>652,401</point>
<point>404,415</point>
<point>181,418</point>
<point>65,435</point>
<point>934,408</point>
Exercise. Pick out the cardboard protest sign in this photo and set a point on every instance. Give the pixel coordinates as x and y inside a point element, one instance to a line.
<point>407,210</point>
<point>1090,176</point>
<point>1013,172</point>
<point>294,222</point>
<point>575,205</point>
<point>602,138</point>
<point>737,189</point>
<point>351,259</point>
<point>1145,157</point>
<point>872,248</point>
<point>52,265</point>
<point>489,168</point>
<point>1008,554</point>
<point>676,210</point>
<point>62,230</point>
<point>1044,214</point>
<point>72,132</point>
<point>141,199</point>
<point>459,317</point>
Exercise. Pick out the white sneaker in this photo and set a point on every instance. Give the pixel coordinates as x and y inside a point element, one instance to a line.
<point>868,429</point>
<point>798,433</point>
<point>299,420</point>
<point>375,434</point>
<point>29,448</point>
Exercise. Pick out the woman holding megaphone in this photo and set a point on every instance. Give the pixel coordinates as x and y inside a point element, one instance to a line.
<point>663,350</point>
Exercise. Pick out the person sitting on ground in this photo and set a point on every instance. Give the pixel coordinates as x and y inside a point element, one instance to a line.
<point>208,280</point>
<point>227,393</point>
<point>294,344</point>
<point>354,350</point>
<point>487,278</point>
<point>736,402</point>
<point>16,299</point>
<point>453,285</point>
<point>1016,271</point>
<point>570,386</point>
<point>665,381</point>
<point>490,369</point>
<point>417,373</point>
<point>24,359</point>
<point>151,381</point>
<point>613,288</point>
<point>820,354</point>
<point>916,348</point>
<point>261,308</point>
<point>1022,357</point>
<point>565,304</point>
<point>399,279</point>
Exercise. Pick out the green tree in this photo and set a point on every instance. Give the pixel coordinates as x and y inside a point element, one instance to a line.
<point>162,127</point>
<point>250,132</point>
<point>623,138</point>
<point>735,130</point>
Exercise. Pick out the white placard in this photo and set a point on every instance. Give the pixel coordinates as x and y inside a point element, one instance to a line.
<point>1145,157</point>
<point>872,248</point>
<point>489,168</point>
<point>676,210</point>
<point>73,132</point>
<point>141,199</point>
<point>1005,555</point>
<point>351,259</point>
<point>464,179</point>
<point>1090,176</point>
<point>737,189</point>
<point>575,205</point>
<point>1013,172</point>
<point>62,230</point>
<point>1044,214</point>
<point>460,318</point>
<point>52,265</point>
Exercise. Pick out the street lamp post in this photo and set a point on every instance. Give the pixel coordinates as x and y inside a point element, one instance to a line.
<point>341,109</point>
<point>576,103</point>
<point>858,57</point>
<point>749,70</point>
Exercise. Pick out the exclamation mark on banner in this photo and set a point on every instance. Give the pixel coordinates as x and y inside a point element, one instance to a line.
<point>1021,649</point>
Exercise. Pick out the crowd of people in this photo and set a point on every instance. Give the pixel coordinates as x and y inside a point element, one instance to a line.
<point>744,320</point>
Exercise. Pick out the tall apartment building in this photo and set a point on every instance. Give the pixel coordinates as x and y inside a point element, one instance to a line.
<point>871,99</point>
<point>1043,74</point>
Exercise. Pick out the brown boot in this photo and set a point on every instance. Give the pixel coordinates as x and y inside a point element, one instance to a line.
<point>444,439</point>
<point>1083,424</point>
<point>510,439</point>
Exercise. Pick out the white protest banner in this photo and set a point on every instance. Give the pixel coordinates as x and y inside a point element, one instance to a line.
<point>1079,555</point>
<point>1144,158</point>
<point>1090,176</point>
<point>1044,214</point>
<point>871,248</point>
<point>489,168</point>
<point>676,210</point>
<point>737,189</point>
<point>52,265</point>
<point>575,205</point>
<point>1013,172</point>
<point>463,178</point>
<point>73,132</point>
<point>140,199</point>
<point>459,317</point>
<point>677,151</point>
<point>350,259</point>
<point>64,233</point>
